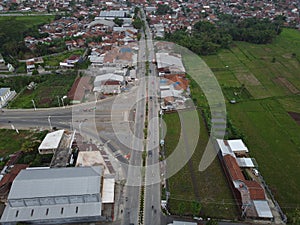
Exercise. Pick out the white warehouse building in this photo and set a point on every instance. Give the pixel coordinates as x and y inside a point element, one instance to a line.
<point>55,196</point>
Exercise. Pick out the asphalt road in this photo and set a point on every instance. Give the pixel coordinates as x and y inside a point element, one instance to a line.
<point>152,212</point>
<point>134,174</point>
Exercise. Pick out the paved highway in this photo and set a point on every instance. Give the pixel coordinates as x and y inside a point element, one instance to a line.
<point>134,174</point>
<point>152,212</point>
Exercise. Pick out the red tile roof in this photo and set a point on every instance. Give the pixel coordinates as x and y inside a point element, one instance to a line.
<point>233,168</point>
<point>78,88</point>
<point>181,81</point>
<point>111,82</point>
<point>9,177</point>
<point>255,189</point>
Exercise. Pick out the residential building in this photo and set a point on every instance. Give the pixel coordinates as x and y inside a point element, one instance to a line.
<point>70,62</point>
<point>30,67</point>
<point>51,142</point>
<point>3,67</point>
<point>109,83</point>
<point>169,64</point>
<point>110,87</point>
<point>249,194</point>
<point>6,95</point>
<point>112,14</point>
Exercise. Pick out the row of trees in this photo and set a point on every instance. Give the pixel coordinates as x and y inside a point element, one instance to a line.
<point>253,30</point>
<point>207,38</point>
<point>163,9</point>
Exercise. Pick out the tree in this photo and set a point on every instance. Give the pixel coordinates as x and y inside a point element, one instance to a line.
<point>181,208</point>
<point>139,36</point>
<point>212,222</point>
<point>35,72</point>
<point>118,21</point>
<point>13,6</point>
<point>138,23</point>
<point>196,207</point>
<point>28,146</point>
<point>163,9</point>
<point>136,10</point>
<point>28,158</point>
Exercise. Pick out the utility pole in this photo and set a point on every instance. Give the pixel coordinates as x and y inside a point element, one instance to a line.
<point>95,93</point>
<point>58,101</point>
<point>33,104</point>
<point>49,120</point>
<point>80,127</point>
<point>14,128</point>
<point>62,100</point>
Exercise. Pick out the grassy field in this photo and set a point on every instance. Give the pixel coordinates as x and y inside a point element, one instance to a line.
<point>46,92</point>
<point>270,75</point>
<point>208,187</point>
<point>56,59</point>
<point>29,21</point>
<point>26,141</point>
<point>7,146</point>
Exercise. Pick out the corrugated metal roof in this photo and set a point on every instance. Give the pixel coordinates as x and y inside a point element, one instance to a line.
<point>51,212</point>
<point>166,60</point>
<point>262,208</point>
<point>108,76</point>
<point>52,140</point>
<point>237,145</point>
<point>108,193</point>
<point>113,13</point>
<point>245,162</point>
<point>224,148</point>
<point>3,91</point>
<point>183,223</point>
<point>56,182</point>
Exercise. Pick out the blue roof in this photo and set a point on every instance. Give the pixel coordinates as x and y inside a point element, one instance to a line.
<point>123,50</point>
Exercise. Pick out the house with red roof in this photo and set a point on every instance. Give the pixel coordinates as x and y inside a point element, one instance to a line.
<point>249,194</point>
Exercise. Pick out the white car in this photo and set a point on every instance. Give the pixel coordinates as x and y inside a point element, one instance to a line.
<point>255,172</point>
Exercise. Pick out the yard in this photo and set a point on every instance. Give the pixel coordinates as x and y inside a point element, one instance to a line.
<point>26,141</point>
<point>54,60</point>
<point>7,146</point>
<point>46,93</point>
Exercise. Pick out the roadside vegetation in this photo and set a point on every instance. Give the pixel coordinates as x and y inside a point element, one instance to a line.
<point>48,89</point>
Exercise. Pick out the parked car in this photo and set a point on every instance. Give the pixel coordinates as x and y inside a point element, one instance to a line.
<point>255,172</point>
